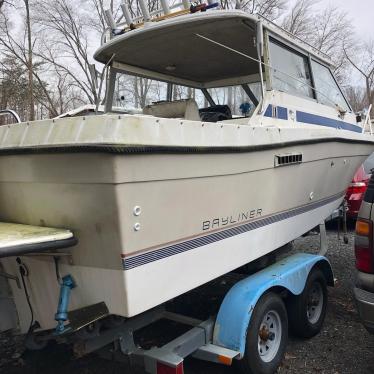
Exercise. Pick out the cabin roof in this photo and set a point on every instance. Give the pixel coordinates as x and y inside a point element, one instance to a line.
<point>172,49</point>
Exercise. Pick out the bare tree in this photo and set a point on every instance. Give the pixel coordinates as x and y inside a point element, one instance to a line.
<point>98,6</point>
<point>29,61</point>
<point>3,2</point>
<point>271,9</point>
<point>299,20</point>
<point>327,29</point>
<point>333,30</point>
<point>356,96</point>
<point>16,48</point>
<point>14,87</point>
<point>364,64</point>
<point>141,88</point>
<point>66,42</point>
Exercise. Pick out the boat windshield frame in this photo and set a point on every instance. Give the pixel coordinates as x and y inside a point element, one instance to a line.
<point>108,107</point>
<point>311,58</point>
<point>263,33</point>
<point>256,75</point>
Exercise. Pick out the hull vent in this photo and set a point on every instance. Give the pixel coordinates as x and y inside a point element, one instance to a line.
<point>288,159</point>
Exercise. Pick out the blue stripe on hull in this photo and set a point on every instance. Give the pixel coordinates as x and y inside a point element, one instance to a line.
<point>161,253</point>
<point>282,113</point>
<point>269,111</point>
<point>312,119</point>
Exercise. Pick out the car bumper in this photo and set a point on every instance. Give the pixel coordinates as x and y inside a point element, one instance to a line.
<point>365,307</point>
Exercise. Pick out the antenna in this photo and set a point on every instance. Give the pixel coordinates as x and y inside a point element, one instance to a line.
<point>260,39</point>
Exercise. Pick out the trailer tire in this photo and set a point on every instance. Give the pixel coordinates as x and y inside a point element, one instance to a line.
<point>269,321</point>
<point>307,311</point>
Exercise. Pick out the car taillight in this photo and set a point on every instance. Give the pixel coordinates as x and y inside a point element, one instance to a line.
<point>357,187</point>
<point>364,246</point>
<point>166,369</point>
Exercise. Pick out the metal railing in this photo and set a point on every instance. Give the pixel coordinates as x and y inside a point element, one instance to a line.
<point>367,125</point>
<point>4,112</point>
<point>131,22</point>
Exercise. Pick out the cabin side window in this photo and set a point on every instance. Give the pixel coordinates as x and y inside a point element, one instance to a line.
<point>327,90</point>
<point>290,71</point>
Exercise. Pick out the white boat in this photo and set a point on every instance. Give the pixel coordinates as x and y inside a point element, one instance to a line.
<point>165,201</point>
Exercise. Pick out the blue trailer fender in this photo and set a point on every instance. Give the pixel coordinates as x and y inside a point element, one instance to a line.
<point>235,313</point>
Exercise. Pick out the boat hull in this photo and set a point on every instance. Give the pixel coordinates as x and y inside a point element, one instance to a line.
<point>153,226</point>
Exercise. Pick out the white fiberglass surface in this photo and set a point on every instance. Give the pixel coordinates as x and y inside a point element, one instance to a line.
<point>12,234</point>
<point>173,48</point>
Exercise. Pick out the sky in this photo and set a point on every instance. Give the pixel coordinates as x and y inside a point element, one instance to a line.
<point>360,11</point>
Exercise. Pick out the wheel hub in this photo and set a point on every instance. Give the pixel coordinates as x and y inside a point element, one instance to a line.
<point>315,303</point>
<point>265,334</point>
<point>269,336</point>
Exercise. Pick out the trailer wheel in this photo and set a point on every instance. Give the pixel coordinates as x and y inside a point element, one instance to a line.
<point>267,336</point>
<point>307,311</point>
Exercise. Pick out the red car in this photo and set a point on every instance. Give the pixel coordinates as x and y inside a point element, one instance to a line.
<point>355,192</point>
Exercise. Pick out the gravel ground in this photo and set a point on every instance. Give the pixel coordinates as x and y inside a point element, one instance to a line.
<point>342,347</point>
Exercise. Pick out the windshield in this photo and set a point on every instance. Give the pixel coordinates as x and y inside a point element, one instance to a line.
<point>136,92</point>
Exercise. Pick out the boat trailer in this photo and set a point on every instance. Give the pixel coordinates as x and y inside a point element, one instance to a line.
<point>223,337</point>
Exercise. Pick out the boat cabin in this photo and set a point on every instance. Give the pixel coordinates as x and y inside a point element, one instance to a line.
<point>225,64</point>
